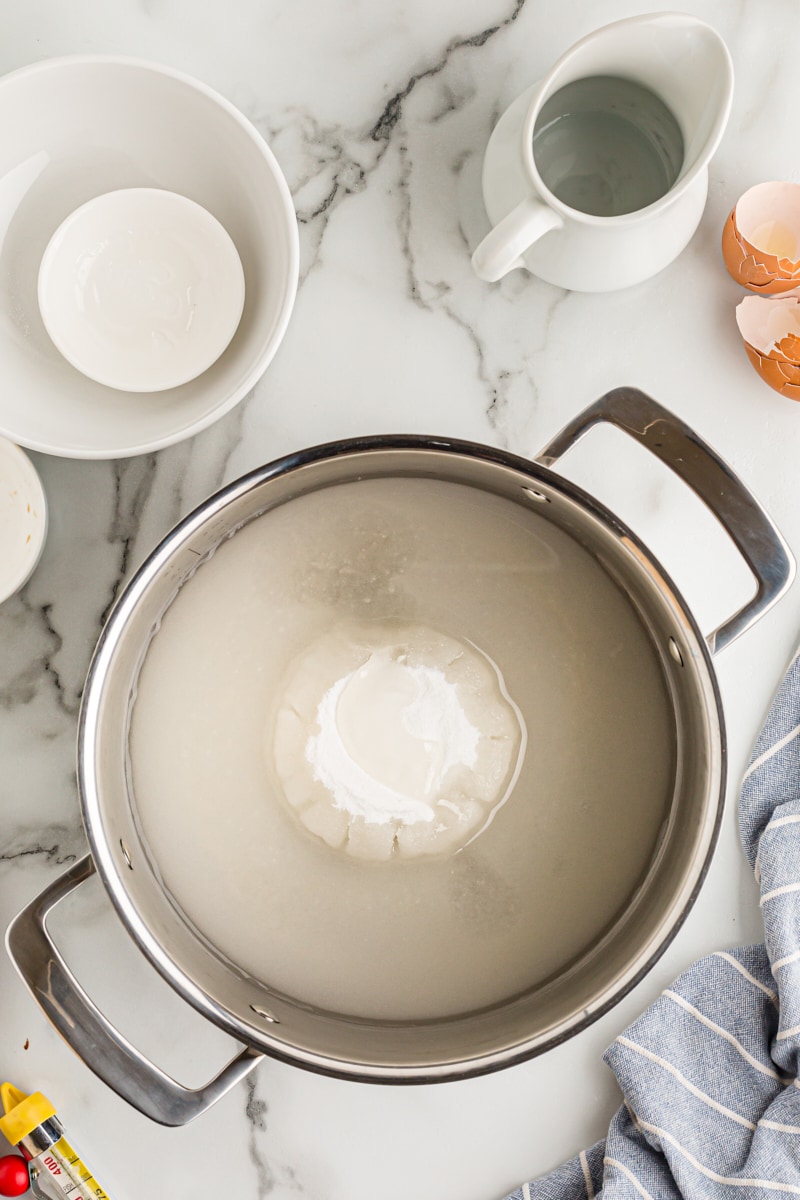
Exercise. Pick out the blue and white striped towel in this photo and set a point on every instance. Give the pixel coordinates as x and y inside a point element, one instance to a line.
<point>709,1073</point>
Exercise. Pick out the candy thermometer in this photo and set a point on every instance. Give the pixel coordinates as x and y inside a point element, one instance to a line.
<point>31,1124</point>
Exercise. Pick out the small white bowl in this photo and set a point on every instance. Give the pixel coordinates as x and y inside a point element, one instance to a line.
<point>23,518</point>
<point>141,289</point>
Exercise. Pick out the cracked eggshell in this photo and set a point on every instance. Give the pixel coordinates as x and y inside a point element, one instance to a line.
<point>761,238</point>
<point>770,329</point>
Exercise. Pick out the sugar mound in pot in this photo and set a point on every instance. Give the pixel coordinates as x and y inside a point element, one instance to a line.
<point>395,740</point>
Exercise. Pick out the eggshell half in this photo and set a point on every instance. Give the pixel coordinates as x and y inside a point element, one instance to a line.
<point>770,329</point>
<point>761,238</point>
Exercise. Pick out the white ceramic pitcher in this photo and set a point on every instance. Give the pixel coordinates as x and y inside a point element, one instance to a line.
<point>685,63</point>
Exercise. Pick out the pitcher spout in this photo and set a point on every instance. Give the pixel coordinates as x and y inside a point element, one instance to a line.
<point>693,73</point>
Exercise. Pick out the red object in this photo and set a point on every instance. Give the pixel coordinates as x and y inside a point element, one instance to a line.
<point>13,1175</point>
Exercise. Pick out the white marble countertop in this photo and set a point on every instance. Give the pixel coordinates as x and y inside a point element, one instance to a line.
<point>379,115</point>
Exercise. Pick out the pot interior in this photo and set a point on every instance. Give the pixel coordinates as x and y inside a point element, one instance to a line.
<point>429,960</point>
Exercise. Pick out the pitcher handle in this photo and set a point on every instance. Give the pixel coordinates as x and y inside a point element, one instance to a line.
<point>684,452</point>
<point>500,250</point>
<point>84,1028</point>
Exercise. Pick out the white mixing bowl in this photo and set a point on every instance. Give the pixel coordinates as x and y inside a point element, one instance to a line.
<point>73,129</point>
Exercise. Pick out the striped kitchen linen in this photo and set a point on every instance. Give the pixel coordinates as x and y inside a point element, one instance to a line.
<point>709,1073</point>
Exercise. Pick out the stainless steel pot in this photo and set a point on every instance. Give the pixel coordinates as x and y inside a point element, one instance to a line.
<point>268,1023</point>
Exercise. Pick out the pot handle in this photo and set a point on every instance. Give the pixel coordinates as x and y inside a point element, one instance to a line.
<point>105,1051</point>
<point>684,452</point>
